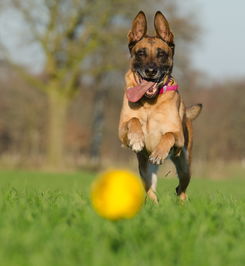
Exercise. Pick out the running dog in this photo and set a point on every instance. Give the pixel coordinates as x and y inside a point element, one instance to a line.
<point>154,122</point>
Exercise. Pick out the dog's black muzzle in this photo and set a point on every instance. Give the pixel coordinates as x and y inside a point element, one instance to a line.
<point>154,74</point>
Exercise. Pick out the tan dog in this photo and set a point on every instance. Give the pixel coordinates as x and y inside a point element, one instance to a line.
<point>154,121</point>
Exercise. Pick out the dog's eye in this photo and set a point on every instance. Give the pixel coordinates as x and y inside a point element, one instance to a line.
<point>162,54</point>
<point>140,53</point>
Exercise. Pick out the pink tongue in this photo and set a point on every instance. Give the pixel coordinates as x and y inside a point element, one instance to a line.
<point>137,92</point>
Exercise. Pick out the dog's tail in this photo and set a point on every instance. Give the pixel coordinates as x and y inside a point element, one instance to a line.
<point>193,111</point>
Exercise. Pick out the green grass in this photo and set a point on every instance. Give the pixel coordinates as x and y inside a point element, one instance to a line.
<point>46,219</point>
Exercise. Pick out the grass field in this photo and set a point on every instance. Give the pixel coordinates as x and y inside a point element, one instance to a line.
<point>46,219</point>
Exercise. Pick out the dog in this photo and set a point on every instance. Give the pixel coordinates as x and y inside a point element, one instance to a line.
<point>154,122</point>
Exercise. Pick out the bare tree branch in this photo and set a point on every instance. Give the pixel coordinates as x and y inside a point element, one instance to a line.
<point>28,77</point>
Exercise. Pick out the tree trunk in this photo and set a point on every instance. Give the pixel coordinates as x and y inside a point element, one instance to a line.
<point>58,106</point>
<point>97,125</point>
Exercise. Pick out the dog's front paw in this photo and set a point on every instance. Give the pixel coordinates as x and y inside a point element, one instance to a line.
<point>136,141</point>
<point>158,156</point>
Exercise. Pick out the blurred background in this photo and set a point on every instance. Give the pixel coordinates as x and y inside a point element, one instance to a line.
<point>62,66</point>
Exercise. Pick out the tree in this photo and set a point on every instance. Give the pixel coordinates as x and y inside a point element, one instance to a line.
<point>67,32</point>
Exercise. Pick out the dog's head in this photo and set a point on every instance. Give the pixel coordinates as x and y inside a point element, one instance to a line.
<point>151,56</point>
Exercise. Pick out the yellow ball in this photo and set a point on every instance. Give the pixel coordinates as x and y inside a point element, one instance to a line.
<point>117,194</point>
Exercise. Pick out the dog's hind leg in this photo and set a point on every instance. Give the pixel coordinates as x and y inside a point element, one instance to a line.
<point>182,165</point>
<point>182,162</point>
<point>148,174</point>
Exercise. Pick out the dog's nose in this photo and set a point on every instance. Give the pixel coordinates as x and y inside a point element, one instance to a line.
<point>150,71</point>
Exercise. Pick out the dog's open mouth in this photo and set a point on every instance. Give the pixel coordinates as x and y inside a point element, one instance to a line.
<point>152,91</point>
<point>147,88</point>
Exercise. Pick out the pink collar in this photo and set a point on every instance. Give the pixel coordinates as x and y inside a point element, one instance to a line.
<point>173,87</point>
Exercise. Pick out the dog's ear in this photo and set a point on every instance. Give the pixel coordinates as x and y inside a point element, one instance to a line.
<point>162,27</point>
<point>139,28</point>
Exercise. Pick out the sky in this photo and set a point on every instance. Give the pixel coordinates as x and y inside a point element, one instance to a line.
<point>221,49</point>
